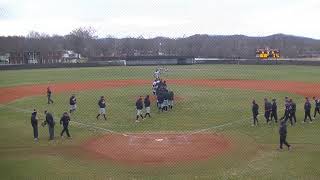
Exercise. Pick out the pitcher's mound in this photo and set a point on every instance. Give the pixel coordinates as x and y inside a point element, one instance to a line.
<point>157,149</point>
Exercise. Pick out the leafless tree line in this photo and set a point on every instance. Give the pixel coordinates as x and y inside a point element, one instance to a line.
<point>84,41</point>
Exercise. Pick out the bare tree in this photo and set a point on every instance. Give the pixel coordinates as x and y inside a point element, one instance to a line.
<point>81,40</point>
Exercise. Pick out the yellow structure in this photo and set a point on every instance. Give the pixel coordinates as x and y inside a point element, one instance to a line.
<point>266,54</point>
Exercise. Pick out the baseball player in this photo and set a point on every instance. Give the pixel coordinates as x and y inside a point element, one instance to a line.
<point>158,81</point>
<point>159,86</point>
<point>51,123</point>
<point>156,74</point>
<point>267,109</point>
<point>317,106</point>
<point>34,123</point>
<point>154,87</point>
<point>65,119</point>
<point>160,100</point>
<point>102,108</point>
<point>166,99</point>
<point>73,103</point>
<point>158,91</point>
<point>307,110</point>
<point>286,115</point>
<point>164,85</point>
<point>283,135</point>
<point>49,93</point>
<point>147,104</point>
<point>171,99</point>
<point>139,107</point>
<point>255,112</point>
<point>286,99</point>
<point>293,109</point>
<point>274,111</point>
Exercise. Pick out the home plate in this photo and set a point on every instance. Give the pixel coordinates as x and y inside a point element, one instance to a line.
<point>159,140</point>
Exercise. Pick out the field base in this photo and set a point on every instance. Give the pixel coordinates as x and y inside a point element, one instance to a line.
<point>157,149</point>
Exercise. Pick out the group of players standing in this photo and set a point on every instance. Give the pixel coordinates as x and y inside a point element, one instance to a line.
<point>164,102</point>
<point>64,120</point>
<point>271,112</point>
<point>164,99</point>
<point>163,95</point>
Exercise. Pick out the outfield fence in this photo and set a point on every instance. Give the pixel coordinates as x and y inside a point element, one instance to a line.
<point>159,62</point>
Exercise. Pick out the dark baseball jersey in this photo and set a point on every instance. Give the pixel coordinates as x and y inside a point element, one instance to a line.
<point>49,92</point>
<point>139,104</point>
<point>73,100</point>
<point>34,120</point>
<point>255,109</point>
<point>283,129</point>
<point>171,96</point>
<point>49,120</point>
<point>317,103</point>
<point>102,103</point>
<point>307,106</point>
<point>65,120</point>
<point>147,102</point>
<point>293,108</point>
<point>160,98</point>
<point>267,106</point>
<point>274,107</point>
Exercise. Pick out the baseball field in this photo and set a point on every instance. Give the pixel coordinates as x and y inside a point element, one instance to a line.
<point>207,134</point>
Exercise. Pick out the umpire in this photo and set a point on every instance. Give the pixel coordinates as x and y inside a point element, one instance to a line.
<point>283,134</point>
<point>50,122</point>
<point>65,119</point>
<point>34,123</point>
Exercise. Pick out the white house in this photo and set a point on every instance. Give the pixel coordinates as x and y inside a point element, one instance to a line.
<point>4,58</point>
<point>69,56</point>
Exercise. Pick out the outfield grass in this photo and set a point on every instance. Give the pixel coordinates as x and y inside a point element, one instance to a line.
<point>256,155</point>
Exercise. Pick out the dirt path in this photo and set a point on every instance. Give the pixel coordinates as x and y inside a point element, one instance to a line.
<point>155,149</point>
<point>9,94</point>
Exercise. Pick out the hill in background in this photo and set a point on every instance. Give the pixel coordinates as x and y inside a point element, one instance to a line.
<point>85,43</point>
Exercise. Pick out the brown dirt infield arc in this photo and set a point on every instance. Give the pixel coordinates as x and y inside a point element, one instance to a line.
<point>157,148</point>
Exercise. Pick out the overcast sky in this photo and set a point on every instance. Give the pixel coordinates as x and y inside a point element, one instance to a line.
<point>172,18</point>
